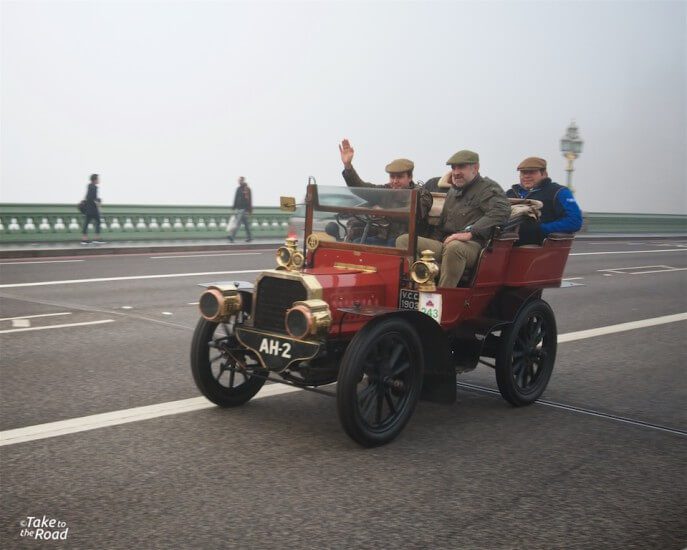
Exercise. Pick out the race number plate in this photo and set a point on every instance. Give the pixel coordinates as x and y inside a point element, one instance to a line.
<point>430,304</point>
<point>408,299</point>
<point>276,352</point>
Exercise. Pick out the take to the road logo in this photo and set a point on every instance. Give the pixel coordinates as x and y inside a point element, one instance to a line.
<point>43,528</point>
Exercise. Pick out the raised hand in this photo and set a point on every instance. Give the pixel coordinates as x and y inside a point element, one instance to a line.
<point>347,153</point>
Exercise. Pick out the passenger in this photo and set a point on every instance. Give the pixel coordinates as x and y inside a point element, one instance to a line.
<point>560,213</point>
<point>400,177</point>
<point>473,207</point>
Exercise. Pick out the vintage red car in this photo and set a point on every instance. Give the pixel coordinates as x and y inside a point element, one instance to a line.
<point>371,319</point>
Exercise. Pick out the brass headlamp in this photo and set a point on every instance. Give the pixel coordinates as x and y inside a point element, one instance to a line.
<point>218,303</point>
<point>424,271</point>
<point>288,256</point>
<point>308,318</point>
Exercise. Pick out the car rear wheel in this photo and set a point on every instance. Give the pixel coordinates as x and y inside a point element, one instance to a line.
<point>526,354</point>
<point>221,367</point>
<point>380,379</point>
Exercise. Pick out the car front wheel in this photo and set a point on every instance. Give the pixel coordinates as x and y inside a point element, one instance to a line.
<point>221,368</point>
<point>380,379</point>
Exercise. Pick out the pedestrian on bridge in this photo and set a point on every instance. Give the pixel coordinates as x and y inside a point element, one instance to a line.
<point>243,205</point>
<point>91,211</point>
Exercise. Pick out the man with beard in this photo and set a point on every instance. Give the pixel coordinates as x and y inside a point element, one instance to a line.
<point>560,213</point>
<point>400,177</point>
<point>474,206</point>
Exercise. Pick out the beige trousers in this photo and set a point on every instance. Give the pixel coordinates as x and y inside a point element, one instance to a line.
<point>453,257</point>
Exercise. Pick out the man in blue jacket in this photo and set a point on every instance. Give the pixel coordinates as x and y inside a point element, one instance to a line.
<point>560,213</point>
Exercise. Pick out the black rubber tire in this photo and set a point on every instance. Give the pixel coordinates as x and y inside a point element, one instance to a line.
<point>526,354</point>
<point>231,395</point>
<point>366,375</point>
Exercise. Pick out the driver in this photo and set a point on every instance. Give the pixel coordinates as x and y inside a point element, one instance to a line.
<point>400,177</point>
<point>474,206</point>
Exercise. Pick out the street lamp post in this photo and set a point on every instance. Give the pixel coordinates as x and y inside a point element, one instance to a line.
<point>571,147</point>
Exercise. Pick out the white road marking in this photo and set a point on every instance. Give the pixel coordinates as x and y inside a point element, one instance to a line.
<point>131,278</point>
<point>34,316</point>
<point>41,262</point>
<point>660,271</point>
<point>622,327</point>
<point>21,323</point>
<point>193,303</point>
<point>167,313</point>
<point>624,269</point>
<point>127,307</point>
<point>124,416</point>
<point>115,418</point>
<point>628,252</point>
<point>48,327</point>
<point>572,278</point>
<point>644,268</point>
<point>207,255</point>
<point>581,410</point>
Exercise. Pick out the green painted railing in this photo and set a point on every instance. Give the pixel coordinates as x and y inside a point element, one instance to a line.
<point>61,222</point>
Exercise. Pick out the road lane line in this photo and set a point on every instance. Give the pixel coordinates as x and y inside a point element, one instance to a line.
<point>207,255</point>
<point>622,327</point>
<point>41,262</point>
<point>48,327</point>
<point>582,410</point>
<point>63,427</point>
<point>34,316</point>
<point>115,418</point>
<point>628,252</point>
<point>659,271</point>
<point>131,278</point>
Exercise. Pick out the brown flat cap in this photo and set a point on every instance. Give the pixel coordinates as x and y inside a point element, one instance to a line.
<point>400,165</point>
<point>464,157</point>
<point>532,163</point>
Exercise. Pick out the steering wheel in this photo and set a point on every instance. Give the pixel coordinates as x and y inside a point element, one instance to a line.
<point>368,221</point>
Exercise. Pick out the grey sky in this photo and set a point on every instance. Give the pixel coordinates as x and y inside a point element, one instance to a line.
<point>172,101</point>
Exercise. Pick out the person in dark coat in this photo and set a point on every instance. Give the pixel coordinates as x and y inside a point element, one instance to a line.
<point>473,207</point>
<point>400,177</point>
<point>243,204</point>
<point>560,213</point>
<point>92,211</point>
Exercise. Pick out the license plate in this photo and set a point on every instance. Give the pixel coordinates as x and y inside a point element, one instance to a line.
<point>276,352</point>
<point>408,299</point>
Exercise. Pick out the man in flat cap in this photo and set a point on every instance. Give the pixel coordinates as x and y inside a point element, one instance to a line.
<point>560,213</point>
<point>400,177</point>
<point>474,206</point>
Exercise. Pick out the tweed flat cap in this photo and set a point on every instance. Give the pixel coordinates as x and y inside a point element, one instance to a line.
<point>464,157</point>
<point>532,163</point>
<point>400,165</point>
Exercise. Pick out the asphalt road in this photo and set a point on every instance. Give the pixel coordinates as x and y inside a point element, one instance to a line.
<point>600,463</point>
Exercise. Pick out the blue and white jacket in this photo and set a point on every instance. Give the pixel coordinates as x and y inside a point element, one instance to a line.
<point>560,214</point>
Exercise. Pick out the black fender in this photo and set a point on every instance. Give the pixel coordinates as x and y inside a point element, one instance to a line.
<point>510,300</point>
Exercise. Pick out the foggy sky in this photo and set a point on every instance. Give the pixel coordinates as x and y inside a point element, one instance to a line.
<point>171,101</point>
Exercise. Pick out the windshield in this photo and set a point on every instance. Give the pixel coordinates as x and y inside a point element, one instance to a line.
<point>333,196</point>
<point>349,198</point>
<point>369,216</point>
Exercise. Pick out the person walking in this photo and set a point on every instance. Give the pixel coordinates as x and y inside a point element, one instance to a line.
<point>91,211</point>
<point>243,205</point>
